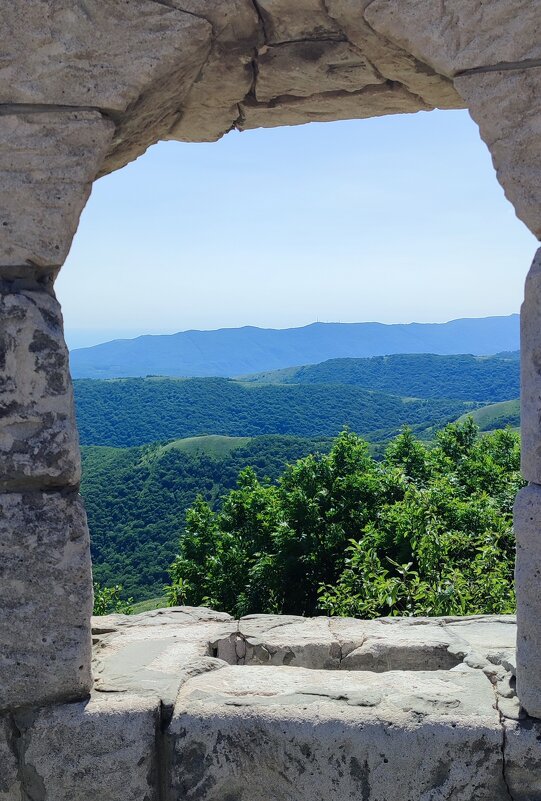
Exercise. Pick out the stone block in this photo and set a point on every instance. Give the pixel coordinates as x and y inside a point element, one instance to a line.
<point>324,643</point>
<point>282,732</point>
<point>45,598</point>
<point>90,53</point>
<point>39,445</point>
<point>460,34</point>
<point>285,21</point>
<point>530,390</point>
<point>506,105</point>
<point>211,107</point>
<point>289,640</point>
<point>373,101</point>
<point>391,61</point>
<point>527,524</point>
<point>149,654</point>
<point>308,24</point>
<point>302,69</point>
<point>103,749</point>
<point>48,161</point>
<point>522,752</point>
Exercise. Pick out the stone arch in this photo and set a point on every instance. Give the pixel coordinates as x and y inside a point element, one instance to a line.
<point>86,87</point>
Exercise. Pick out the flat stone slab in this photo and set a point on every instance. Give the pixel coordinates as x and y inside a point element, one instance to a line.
<point>291,733</point>
<point>149,654</point>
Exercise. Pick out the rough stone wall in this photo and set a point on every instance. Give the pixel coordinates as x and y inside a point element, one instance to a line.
<point>88,85</point>
<point>48,160</point>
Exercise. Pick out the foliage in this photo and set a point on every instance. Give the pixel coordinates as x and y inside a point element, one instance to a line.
<point>425,531</point>
<point>136,499</point>
<point>133,412</point>
<point>108,601</point>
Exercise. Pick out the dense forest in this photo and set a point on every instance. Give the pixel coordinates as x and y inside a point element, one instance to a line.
<point>138,411</point>
<point>424,375</point>
<point>151,446</point>
<point>426,531</point>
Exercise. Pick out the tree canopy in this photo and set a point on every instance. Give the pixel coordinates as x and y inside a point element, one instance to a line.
<point>425,531</point>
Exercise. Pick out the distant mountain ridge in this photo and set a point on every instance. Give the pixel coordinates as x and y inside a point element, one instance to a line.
<point>230,352</point>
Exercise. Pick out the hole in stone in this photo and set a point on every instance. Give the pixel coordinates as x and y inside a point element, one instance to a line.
<point>377,655</point>
<point>209,251</point>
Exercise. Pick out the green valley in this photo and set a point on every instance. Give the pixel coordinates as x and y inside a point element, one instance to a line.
<point>151,445</point>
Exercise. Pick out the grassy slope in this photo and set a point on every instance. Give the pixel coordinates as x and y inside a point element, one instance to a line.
<point>211,445</point>
<point>497,415</point>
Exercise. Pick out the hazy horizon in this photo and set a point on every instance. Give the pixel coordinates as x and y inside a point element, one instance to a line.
<point>394,219</point>
<point>77,339</point>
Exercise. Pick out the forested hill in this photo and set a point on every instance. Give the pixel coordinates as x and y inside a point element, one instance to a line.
<point>139,411</point>
<point>489,379</point>
<point>238,351</point>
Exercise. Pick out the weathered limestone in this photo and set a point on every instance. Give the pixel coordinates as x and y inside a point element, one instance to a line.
<point>413,644</point>
<point>211,108</point>
<point>39,445</point>
<point>102,749</point>
<point>523,759</point>
<point>391,61</point>
<point>302,69</point>
<point>316,54</point>
<point>530,368</point>
<point>149,653</point>
<point>374,101</point>
<point>85,86</point>
<point>255,732</point>
<point>261,732</point>
<point>48,161</point>
<point>459,35</point>
<point>89,53</point>
<point>527,524</point>
<point>506,105</point>
<point>45,598</point>
<point>306,19</point>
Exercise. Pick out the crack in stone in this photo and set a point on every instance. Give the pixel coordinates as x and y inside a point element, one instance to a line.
<point>503,744</point>
<point>32,784</point>
<point>174,7</point>
<point>261,18</point>
<point>8,109</point>
<point>502,66</point>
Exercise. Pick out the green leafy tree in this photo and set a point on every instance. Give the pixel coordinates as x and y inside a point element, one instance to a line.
<point>108,601</point>
<point>425,531</point>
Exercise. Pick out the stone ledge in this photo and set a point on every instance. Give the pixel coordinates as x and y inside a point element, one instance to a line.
<point>170,719</point>
<point>155,652</point>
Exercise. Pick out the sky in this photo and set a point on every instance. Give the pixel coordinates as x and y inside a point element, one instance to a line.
<point>394,219</point>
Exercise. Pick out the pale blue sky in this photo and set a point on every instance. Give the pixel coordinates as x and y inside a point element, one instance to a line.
<point>396,219</point>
